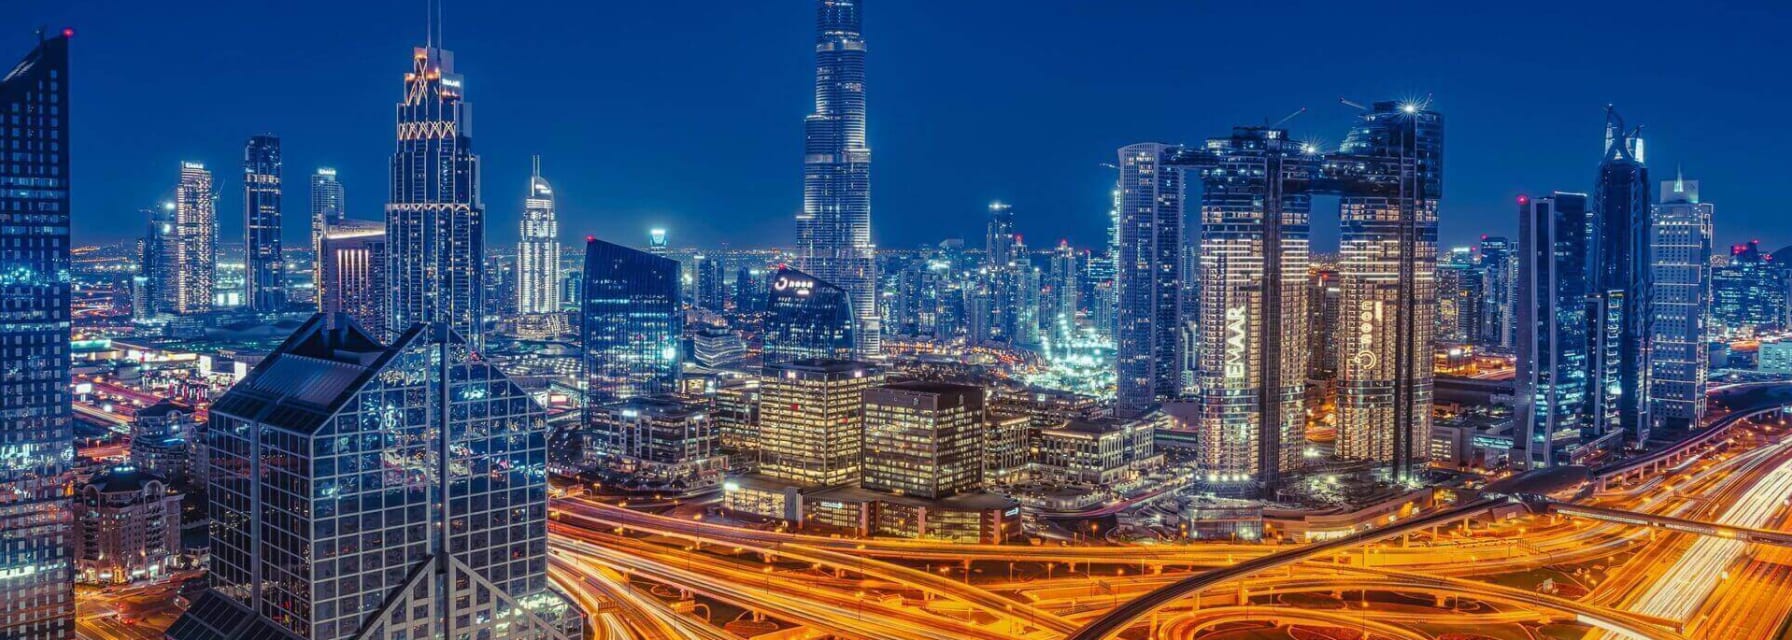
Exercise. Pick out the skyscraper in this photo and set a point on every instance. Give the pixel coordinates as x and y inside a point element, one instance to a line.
<point>1389,175</point>
<point>538,250</point>
<point>834,229</point>
<point>1680,305</point>
<point>196,226</point>
<point>1555,341</point>
<point>1064,284</point>
<point>446,538</point>
<point>999,245</point>
<point>1255,204</point>
<point>435,221</point>
<point>806,317</point>
<point>630,323</point>
<point>328,207</point>
<point>1149,278</point>
<point>1498,271</point>
<point>1620,284</point>
<point>924,439</point>
<point>352,262</point>
<point>265,281</point>
<point>812,420</point>
<point>37,601</point>
<point>158,276</point>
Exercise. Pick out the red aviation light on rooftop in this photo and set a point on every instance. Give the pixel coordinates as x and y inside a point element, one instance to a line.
<point>590,238</point>
<point>68,32</point>
<point>1521,200</point>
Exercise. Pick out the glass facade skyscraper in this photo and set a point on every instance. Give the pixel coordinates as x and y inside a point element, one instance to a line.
<point>806,317</point>
<point>1749,292</point>
<point>1498,272</point>
<point>1620,284</point>
<point>1148,274</point>
<point>435,221</point>
<point>351,263</point>
<point>37,600</point>
<point>1680,305</point>
<point>265,280</point>
<point>834,229</point>
<point>631,322</point>
<point>1555,341</point>
<point>361,490</point>
<point>328,207</point>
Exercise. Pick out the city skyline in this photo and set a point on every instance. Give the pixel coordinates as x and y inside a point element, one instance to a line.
<point>1055,180</point>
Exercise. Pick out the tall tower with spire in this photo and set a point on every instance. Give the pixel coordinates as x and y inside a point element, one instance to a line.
<point>1680,305</point>
<point>1620,273</point>
<point>538,251</point>
<point>435,220</point>
<point>834,229</point>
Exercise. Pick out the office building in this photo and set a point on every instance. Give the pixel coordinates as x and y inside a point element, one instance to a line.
<point>435,220</point>
<point>37,601</point>
<point>1749,292</point>
<point>1062,293</point>
<point>1555,342</point>
<point>712,291</point>
<point>1459,299</point>
<point>538,250</point>
<point>163,436</point>
<point>834,228</point>
<point>328,207</point>
<point>1324,300</point>
<point>1005,448</point>
<point>196,230</point>
<point>265,266</point>
<point>659,439</point>
<point>1620,285</point>
<point>157,285</point>
<point>811,420</point>
<point>351,264</point>
<point>1498,272</point>
<point>806,317</point>
<point>1098,452</point>
<point>127,523</point>
<point>447,540</point>
<point>923,439</point>
<point>630,323</point>
<point>1679,305</point>
<point>999,244</point>
<point>1148,277</point>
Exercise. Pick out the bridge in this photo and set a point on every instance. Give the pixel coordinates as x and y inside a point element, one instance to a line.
<point>1758,398</point>
<point>1682,525</point>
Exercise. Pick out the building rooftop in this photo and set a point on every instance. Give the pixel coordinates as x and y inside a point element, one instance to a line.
<point>824,365</point>
<point>925,386</point>
<point>124,479</point>
<point>302,383</point>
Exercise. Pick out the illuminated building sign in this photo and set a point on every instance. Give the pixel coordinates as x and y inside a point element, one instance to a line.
<point>1235,346</point>
<point>1368,317</point>
<point>797,286</point>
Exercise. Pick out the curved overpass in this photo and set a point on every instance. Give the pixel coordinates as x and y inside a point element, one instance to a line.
<point>1758,398</point>
<point>1204,619</point>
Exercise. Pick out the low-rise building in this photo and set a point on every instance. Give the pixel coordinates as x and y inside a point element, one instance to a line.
<point>1098,452</point>
<point>163,436</point>
<point>659,439</point>
<point>128,527</point>
<point>1005,449</point>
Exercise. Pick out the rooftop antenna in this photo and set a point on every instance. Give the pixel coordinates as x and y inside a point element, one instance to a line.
<point>537,159</point>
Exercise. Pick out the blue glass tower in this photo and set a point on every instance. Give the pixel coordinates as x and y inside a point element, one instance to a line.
<point>630,323</point>
<point>36,441</point>
<point>1555,341</point>
<point>806,317</point>
<point>1621,273</point>
<point>834,229</point>
<point>265,282</point>
<point>435,221</point>
<point>1148,274</point>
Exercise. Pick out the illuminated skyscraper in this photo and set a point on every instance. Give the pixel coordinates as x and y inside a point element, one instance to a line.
<point>265,281</point>
<point>806,317</point>
<point>445,538</point>
<point>1063,282</point>
<point>999,246</point>
<point>538,251</point>
<point>328,207</point>
<point>1620,284</point>
<point>158,276</point>
<point>37,600</point>
<point>196,227</point>
<point>1680,305</point>
<point>1389,175</point>
<point>812,420</point>
<point>435,222</point>
<point>1253,337</point>
<point>630,323</point>
<point>1498,271</point>
<point>1555,342</point>
<point>924,439</point>
<point>1749,292</point>
<point>352,263</point>
<point>834,229</point>
<point>1149,278</point>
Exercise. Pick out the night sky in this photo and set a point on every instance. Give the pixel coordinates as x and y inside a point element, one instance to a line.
<point>689,113</point>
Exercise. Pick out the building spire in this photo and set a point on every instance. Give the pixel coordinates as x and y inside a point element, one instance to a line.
<point>536,171</point>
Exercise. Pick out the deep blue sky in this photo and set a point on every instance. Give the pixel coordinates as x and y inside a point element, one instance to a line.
<point>689,114</point>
